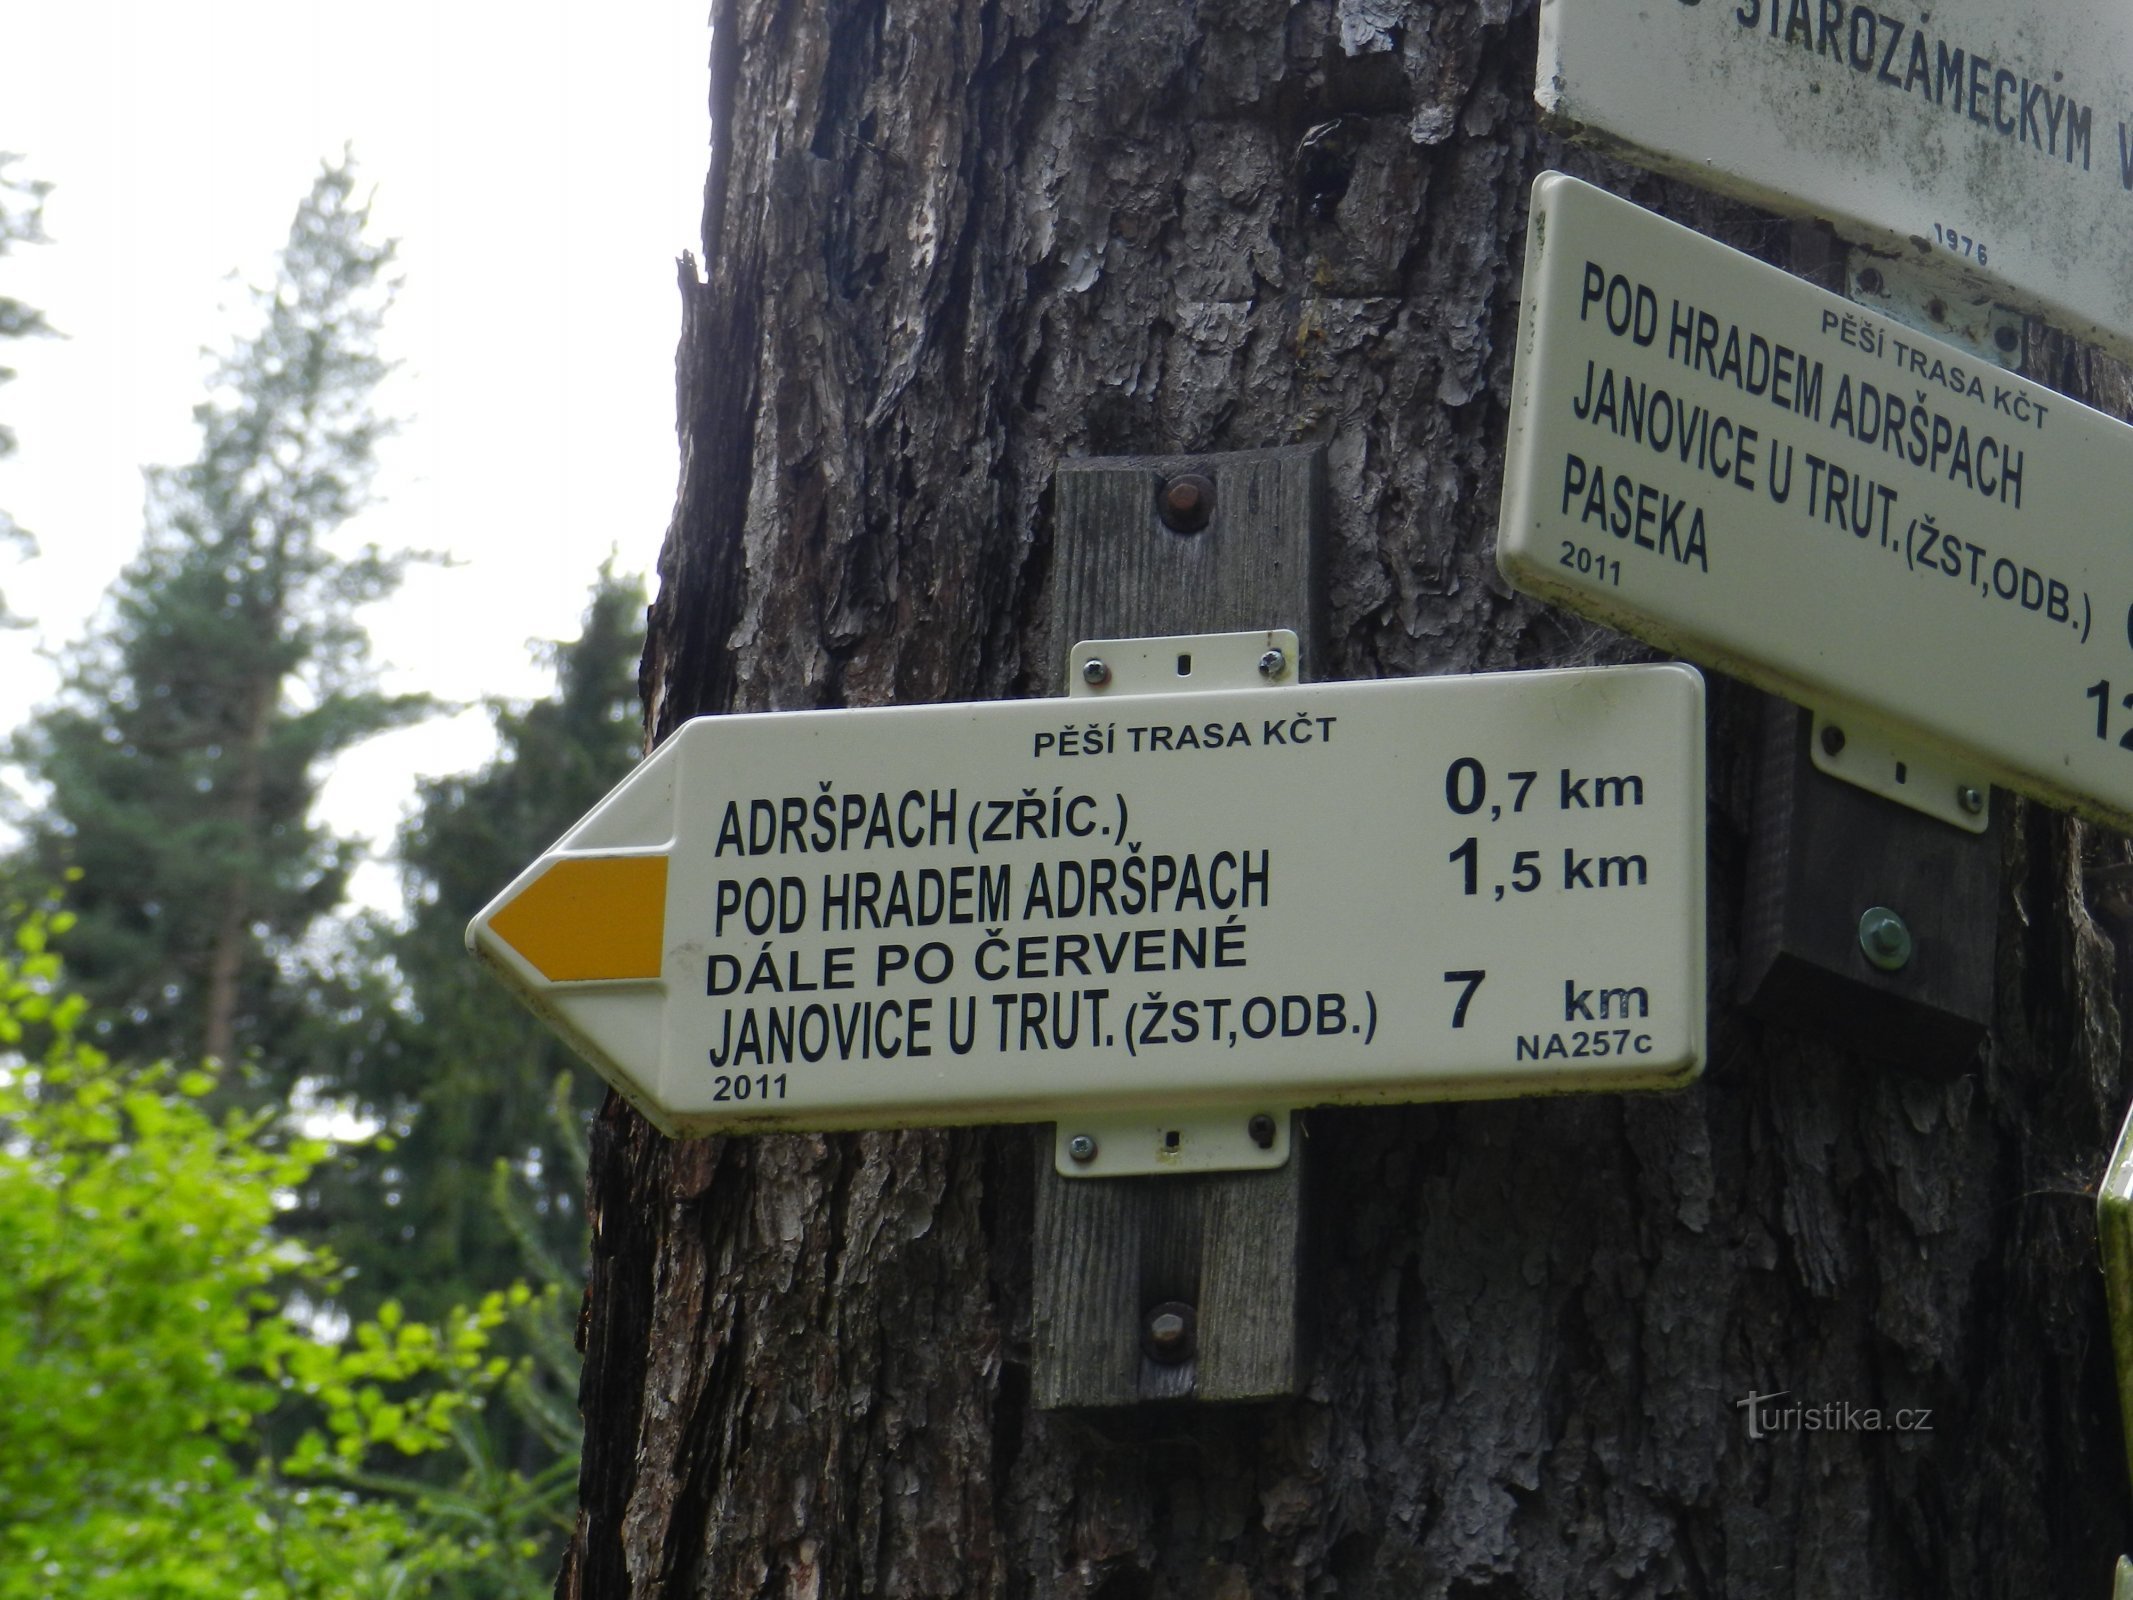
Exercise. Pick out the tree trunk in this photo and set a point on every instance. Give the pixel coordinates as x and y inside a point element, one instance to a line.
<point>949,247</point>
<point>233,918</point>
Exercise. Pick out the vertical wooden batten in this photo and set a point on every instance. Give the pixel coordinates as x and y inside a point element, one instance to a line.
<point>1108,1251</point>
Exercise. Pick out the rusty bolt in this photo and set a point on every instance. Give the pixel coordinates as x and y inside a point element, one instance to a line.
<point>1168,1332</point>
<point>1187,502</point>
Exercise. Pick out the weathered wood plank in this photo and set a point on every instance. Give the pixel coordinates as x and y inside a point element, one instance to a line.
<point>1823,852</point>
<point>1107,1251</point>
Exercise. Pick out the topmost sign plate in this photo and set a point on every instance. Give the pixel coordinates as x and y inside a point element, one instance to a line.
<point>1990,137</point>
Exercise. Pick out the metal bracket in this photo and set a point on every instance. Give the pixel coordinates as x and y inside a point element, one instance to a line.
<point>1937,304</point>
<point>1188,663</point>
<point>1162,1140</point>
<point>1896,766</point>
<point>1130,1146</point>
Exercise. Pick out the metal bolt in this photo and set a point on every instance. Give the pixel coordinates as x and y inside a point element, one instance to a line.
<point>1970,798</point>
<point>1870,280</point>
<point>1885,938</point>
<point>1167,1333</point>
<point>1937,309</point>
<point>1095,673</point>
<point>2006,338</point>
<point>1082,1147</point>
<point>1832,739</point>
<point>1273,664</point>
<point>1186,502</point>
<point>1261,1128</point>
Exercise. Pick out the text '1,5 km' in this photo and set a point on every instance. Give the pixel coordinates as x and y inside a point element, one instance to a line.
<point>1735,465</point>
<point>1409,889</point>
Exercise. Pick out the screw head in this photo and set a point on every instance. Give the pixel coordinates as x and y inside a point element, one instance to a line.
<point>2006,338</point>
<point>1082,1148</point>
<point>1186,502</point>
<point>1095,673</point>
<point>1870,280</point>
<point>1970,798</point>
<point>1273,664</point>
<point>1261,1128</point>
<point>1832,739</point>
<point>1885,938</point>
<point>1168,1332</point>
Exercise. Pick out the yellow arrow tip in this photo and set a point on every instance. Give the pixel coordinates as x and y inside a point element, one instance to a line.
<point>589,918</point>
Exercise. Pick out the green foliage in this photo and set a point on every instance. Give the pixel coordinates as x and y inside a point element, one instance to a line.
<point>227,670</point>
<point>21,222</point>
<point>175,1417</point>
<point>159,1339</point>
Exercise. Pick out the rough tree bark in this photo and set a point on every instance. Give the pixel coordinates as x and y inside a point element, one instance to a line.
<point>949,245</point>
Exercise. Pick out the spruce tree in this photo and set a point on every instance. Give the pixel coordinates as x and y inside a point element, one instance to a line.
<point>461,1074</point>
<point>480,1177</point>
<point>21,222</point>
<point>227,670</point>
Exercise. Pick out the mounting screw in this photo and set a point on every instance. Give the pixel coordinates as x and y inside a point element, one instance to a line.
<point>1885,938</point>
<point>1082,1147</point>
<point>1167,1333</point>
<point>1273,664</point>
<point>1970,798</point>
<point>2006,338</point>
<point>1832,739</point>
<point>1261,1128</point>
<point>1186,502</point>
<point>1095,673</point>
<point>1870,280</point>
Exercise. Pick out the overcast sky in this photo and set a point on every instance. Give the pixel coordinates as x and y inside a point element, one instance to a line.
<point>542,165</point>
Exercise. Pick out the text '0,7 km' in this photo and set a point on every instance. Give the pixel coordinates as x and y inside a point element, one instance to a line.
<point>1744,469</point>
<point>1411,889</point>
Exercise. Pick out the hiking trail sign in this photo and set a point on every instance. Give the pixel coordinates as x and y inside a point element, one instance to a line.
<point>1737,466</point>
<point>1246,898</point>
<point>1986,140</point>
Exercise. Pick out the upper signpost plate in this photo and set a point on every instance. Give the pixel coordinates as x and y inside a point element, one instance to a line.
<point>1984,135</point>
<point>1733,464</point>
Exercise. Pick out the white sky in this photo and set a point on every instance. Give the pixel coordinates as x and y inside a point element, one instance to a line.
<point>542,165</point>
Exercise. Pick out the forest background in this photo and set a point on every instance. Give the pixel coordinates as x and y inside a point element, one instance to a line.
<point>289,1194</point>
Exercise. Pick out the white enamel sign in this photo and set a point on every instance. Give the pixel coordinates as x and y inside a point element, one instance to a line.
<point>1985,136</point>
<point>1020,910</point>
<point>1735,465</point>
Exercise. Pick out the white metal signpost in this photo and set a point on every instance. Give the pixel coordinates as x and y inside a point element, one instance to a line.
<point>1723,459</point>
<point>1987,137</point>
<point>1248,899</point>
